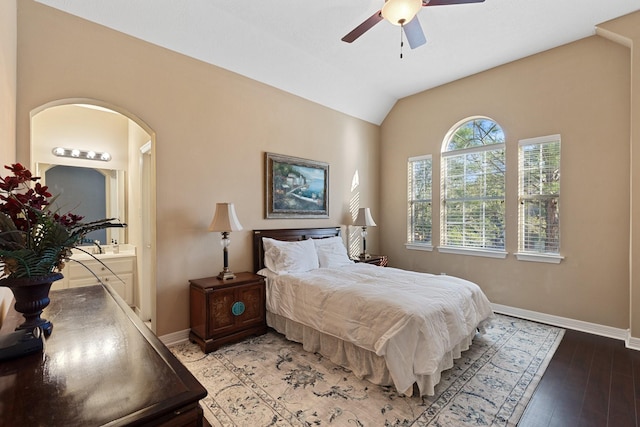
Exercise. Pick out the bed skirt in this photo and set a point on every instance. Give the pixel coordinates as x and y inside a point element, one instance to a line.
<point>363,363</point>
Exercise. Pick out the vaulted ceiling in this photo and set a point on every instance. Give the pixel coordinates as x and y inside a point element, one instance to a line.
<point>295,45</point>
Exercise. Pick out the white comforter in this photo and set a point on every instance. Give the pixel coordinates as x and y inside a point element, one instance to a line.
<point>412,319</point>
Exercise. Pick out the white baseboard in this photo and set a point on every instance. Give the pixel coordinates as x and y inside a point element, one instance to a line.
<point>632,342</point>
<point>175,337</point>
<point>562,322</point>
<point>577,325</point>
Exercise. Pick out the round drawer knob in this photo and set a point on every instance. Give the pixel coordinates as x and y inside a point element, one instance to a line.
<point>237,308</point>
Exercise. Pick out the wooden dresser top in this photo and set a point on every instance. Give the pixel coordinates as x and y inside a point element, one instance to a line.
<point>101,366</point>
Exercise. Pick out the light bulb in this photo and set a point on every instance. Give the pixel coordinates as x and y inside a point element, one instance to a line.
<point>400,12</point>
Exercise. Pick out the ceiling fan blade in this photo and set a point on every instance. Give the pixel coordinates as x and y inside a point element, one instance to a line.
<point>363,28</point>
<point>448,2</point>
<point>414,33</point>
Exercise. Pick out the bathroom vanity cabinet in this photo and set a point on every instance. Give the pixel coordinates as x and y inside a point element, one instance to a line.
<point>118,270</point>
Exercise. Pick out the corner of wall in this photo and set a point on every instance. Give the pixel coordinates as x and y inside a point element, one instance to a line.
<point>8,91</point>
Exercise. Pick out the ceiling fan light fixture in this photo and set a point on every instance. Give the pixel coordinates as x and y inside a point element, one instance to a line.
<point>400,12</point>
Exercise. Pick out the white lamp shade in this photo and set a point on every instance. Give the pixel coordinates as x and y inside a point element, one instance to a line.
<point>364,218</point>
<point>400,12</point>
<point>225,218</point>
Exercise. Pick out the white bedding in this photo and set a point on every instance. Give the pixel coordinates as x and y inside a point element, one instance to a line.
<point>411,319</point>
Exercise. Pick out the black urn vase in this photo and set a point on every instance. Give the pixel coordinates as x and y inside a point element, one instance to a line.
<point>32,296</point>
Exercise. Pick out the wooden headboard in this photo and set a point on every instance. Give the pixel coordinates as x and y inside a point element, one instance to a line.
<point>286,234</point>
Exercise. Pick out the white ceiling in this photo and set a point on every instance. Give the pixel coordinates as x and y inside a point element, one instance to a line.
<point>295,45</point>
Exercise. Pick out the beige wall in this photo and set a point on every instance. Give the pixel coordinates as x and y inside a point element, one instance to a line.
<point>8,64</point>
<point>212,130</point>
<point>581,91</point>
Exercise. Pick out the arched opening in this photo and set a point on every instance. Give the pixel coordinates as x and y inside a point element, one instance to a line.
<point>65,137</point>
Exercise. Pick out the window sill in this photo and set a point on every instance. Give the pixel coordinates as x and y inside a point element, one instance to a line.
<point>548,258</point>
<point>419,246</point>
<point>473,252</point>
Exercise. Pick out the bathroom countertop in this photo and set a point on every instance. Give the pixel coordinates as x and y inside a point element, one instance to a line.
<point>125,250</point>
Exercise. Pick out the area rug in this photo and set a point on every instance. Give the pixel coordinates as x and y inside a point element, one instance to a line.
<point>269,381</point>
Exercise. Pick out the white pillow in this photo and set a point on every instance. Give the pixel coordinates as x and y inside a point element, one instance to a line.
<point>289,257</point>
<point>331,252</point>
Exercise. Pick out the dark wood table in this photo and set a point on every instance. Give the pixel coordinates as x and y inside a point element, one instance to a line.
<point>101,367</point>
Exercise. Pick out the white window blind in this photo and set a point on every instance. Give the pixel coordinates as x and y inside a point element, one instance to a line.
<point>473,187</point>
<point>539,195</point>
<point>419,184</point>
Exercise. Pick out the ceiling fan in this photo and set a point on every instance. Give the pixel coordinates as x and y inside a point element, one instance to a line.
<point>402,13</point>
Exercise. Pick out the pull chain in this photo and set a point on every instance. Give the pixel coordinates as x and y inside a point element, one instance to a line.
<point>401,38</point>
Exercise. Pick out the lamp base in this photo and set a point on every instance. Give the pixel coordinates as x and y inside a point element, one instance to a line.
<point>365,255</point>
<point>226,275</point>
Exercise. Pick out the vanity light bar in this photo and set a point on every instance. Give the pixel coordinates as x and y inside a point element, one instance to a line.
<point>81,154</point>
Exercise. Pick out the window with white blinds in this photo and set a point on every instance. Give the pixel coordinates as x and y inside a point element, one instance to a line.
<point>419,185</point>
<point>473,187</point>
<point>539,195</point>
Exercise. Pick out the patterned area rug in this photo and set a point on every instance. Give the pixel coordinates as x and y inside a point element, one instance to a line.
<point>269,381</point>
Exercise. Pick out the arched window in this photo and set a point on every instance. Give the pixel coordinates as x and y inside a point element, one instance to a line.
<point>473,186</point>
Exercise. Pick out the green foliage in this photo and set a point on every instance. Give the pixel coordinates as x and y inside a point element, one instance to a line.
<point>476,133</point>
<point>474,186</point>
<point>539,197</point>
<point>420,181</point>
<point>34,241</point>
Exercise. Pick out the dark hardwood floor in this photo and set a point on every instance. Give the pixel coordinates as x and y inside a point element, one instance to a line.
<point>591,381</point>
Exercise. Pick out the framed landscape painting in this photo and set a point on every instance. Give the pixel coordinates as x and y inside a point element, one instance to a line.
<point>296,188</point>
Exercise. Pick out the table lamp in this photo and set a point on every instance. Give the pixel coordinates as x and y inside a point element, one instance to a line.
<point>225,221</point>
<point>364,220</point>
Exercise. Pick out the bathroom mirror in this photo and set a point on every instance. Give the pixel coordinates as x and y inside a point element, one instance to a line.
<point>93,193</point>
<point>85,184</point>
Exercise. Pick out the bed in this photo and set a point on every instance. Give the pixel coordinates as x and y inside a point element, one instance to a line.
<point>386,325</point>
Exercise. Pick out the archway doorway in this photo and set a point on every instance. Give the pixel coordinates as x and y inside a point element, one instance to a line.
<point>95,126</point>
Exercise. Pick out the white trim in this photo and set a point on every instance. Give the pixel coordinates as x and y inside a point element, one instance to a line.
<point>455,128</point>
<point>539,140</point>
<point>422,157</point>
<point>471,150</point>
<point>548,258</point>
<point>175,337</point>
<point>146,147</point>
<point>418,246</point>
<point>564,322</point>
<point>473,252</point>
<point>632,343</point>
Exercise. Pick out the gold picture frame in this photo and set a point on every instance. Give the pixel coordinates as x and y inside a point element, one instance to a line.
<point>295,187</point>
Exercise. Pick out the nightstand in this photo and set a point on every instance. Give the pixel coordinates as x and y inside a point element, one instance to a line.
<point>379,260</point>
<point>226,311</point>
